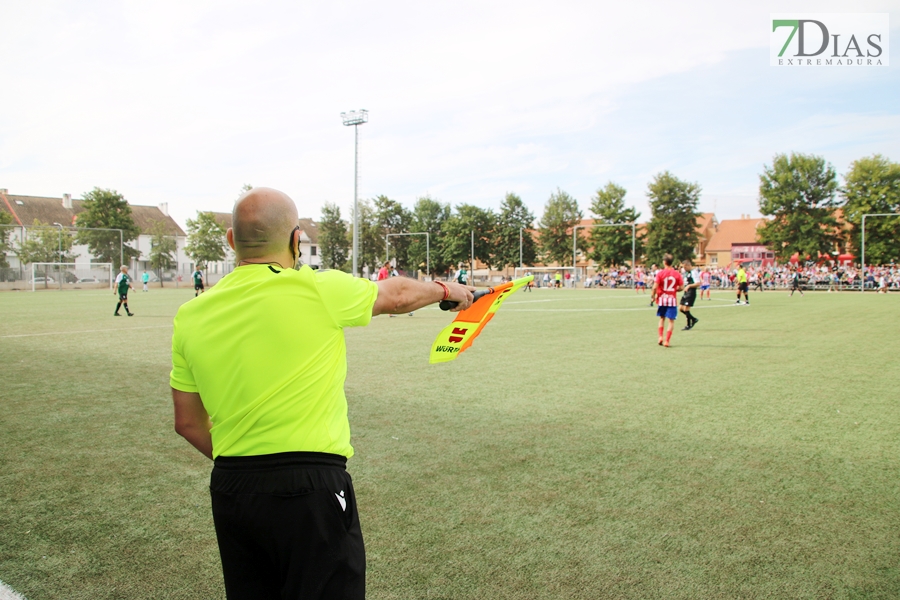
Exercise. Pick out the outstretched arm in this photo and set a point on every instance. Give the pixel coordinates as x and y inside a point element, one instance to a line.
<point>399,295</point>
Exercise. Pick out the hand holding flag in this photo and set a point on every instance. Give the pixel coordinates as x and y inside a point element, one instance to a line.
<point>467,325</point>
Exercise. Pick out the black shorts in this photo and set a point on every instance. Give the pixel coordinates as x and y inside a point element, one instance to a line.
<point>198,286</point>
<point>123,297</point>
<point>743,286</point>
<point>287,527</point>
<point>688,299</point>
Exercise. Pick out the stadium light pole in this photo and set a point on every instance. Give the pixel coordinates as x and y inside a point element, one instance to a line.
<point>121,239</point>
<point>59,250</point>
<point>427,249</point>
<point>575,251</point>
<point>520,247</point>
<point>355,118</point>
<point>59,243</point>
<point>862,276</point>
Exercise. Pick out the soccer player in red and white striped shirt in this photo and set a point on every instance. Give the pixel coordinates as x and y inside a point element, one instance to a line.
<point>666,286</point>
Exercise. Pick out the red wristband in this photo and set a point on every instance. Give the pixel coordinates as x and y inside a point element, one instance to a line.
<point>446,290</point>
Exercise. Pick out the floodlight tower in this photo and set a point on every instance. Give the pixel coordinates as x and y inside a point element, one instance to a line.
<point>355,118</point>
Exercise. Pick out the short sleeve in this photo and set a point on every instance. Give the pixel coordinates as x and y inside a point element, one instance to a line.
<point>349,299</point>
<point>181,377</point>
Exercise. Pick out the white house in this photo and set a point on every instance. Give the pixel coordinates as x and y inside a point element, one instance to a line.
<point>63,213</point>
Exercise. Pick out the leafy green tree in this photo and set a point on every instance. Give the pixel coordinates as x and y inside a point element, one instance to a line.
<point>872,186</point>
<point>561,214</point>
<point>163,247</point>
<point>456,235</point>
<point>107,209</point>
<point>333,245</point>
<point>244,189</point>
<point>513,217</point>
<point>206,239</point>
<point>371,244</point>
<point>798,192</point>
<point>46,243</point>
<point>673,223</point>
<point>392,217</point>
<point>612,245</point>
<point>429,215</point>
<point>5,247</point>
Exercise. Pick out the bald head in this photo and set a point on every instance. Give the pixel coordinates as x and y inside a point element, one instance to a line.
<point>262,222</point>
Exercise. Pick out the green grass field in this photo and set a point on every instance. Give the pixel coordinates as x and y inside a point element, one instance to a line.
<point>564,456</point>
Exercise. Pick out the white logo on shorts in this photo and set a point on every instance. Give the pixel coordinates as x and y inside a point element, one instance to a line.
<point>342,500</point>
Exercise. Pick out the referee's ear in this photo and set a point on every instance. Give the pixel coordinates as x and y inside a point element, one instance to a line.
<point>229,235</point>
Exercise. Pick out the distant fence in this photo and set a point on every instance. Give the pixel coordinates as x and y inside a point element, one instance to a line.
<point>57,276</point>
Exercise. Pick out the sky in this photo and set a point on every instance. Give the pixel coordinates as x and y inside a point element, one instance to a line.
<point>185,102</point>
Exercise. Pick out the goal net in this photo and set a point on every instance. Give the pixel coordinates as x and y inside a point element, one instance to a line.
<point>71,276</point>
<point>550,272</point>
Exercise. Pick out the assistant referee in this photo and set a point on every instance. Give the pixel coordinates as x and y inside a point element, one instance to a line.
<point>258,369</point>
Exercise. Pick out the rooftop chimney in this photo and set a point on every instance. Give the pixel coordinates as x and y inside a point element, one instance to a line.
<point>67,200</point>
<point>164,208</point>
<point>4,191</point>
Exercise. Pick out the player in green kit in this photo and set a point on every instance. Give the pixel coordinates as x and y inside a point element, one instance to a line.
<point>198,281</point>
<point>123,282</point>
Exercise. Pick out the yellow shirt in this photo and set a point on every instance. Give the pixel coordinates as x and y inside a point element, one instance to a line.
<point>265,350</point>
<point>742,276</point>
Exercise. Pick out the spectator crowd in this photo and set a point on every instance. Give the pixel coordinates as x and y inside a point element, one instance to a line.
<point>814,277</point>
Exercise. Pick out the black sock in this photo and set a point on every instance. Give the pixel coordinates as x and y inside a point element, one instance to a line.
<point>118,306</point>
<point>126,307</point>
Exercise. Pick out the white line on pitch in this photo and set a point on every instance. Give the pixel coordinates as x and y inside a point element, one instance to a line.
<point>7,593</point>
<point>647,309</point>
<point>566,299</point>
<point>20,335</point>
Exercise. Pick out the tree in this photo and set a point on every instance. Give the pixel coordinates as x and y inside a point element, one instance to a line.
<point>561,214</point>
<point>456,235</point>
<point>206,239</point>
<point>429,216</point>
<point>673,223</point>
<point>244,189</point>
<point>392,217</point>
<point>798,192</point>
<point>513,217</point>
<point>612,245</point>
<point>872,186</point>
<point>334,248</point>
<point>46,244</point>
<point>107,209</point>
<point>162,249</point>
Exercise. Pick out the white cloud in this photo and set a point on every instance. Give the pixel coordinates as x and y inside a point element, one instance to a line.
<point>185,102</point>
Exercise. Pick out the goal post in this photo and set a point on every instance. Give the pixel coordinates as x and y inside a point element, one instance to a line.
<point>71,276</point>
<point>539,272</point>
